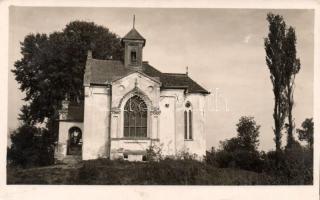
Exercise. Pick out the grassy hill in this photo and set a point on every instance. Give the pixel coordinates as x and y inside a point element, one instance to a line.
<point>167,172</point>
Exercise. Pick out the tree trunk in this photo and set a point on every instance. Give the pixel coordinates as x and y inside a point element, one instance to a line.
<point>290,118</point>
<point>277,120</point>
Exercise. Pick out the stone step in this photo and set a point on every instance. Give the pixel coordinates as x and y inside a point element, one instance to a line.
<point>71,159</point>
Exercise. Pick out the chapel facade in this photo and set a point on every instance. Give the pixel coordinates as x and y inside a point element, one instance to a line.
<point>129,106</point>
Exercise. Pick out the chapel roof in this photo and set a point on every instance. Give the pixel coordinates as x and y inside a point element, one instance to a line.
<point>103,72</point>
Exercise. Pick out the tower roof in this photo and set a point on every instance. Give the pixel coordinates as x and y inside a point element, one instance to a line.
<point>133,35</point>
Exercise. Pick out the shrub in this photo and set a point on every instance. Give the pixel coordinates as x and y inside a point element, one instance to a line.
<point>235,159</point>
<point>234,154</point>
<point>154,153</point>
<point>294,166</point>
<point>30,147</point>
<point>184,154</point>
<point>174,172</point>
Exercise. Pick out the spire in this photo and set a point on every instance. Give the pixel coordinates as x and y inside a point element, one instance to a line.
<point>134,20</point>
<point>187,71</point>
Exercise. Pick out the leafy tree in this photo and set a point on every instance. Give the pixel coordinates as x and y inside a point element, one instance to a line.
<point>25,116</point>
<point>248,133</point>
<point>230,145</point>
<point>30,146</point>
<point>52,66</point>
<point>275,61</point>
<point>291,68</point>
<point>306,132</point>
<point>247,138</point>
<point>241,151</point>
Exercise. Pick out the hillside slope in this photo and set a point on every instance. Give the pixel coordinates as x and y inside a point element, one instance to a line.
<point>105,172</point>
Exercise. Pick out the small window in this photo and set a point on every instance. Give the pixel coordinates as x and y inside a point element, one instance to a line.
<point>133,56</point>
<point>185,125</point>
<point>144,158</point>
<point>190,125</point>
<point>188,122</point>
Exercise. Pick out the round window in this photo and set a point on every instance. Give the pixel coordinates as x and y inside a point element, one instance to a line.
<point>188,104</point>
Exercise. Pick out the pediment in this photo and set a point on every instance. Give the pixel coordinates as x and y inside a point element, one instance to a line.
<point>135,75</point>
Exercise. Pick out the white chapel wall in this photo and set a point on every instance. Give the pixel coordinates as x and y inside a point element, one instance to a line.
<point>96,122</point>
<point>172,139</point>
<point>64,127</point>
<point>122,90</point>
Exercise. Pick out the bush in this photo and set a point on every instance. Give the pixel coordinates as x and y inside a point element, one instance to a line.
<point>293,167</point>
<point>240,159</point>
<point>30,147</point>
<point>173,172</point>
<point>154,153</point>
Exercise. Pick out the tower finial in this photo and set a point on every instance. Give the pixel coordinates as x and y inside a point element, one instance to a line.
<point>187,71</point>
<point>134,19</point>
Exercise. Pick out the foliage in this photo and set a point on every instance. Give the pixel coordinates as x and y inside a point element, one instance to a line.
<point>293,166</point>
<point>154,153</point>
<point>116,172</point>
<point>25,116</point>
<point>248,133</point>
<point>275,61</point>
<point>291,68</point>
<point>185,154</point>
<point>239,159</point>
<point>30,147</point>
<point>281,58</point>
<point>52,66</point>
<point>306,132</point>
<point>241,151</point>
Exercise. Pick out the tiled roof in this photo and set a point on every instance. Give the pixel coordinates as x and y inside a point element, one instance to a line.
<point>105,71</point>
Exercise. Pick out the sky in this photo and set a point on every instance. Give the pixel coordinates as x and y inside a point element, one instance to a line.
<point>223,49</point>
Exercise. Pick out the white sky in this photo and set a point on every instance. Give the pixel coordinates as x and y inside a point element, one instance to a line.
<point>223,48</point>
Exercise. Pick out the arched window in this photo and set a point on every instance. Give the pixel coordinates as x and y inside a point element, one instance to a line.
<point>188,122</point>
<point>74,141</point>
<point>135,118</point>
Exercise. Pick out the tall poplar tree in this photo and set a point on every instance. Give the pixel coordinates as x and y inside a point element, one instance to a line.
<point>275,62</point>
<point>291,68</point>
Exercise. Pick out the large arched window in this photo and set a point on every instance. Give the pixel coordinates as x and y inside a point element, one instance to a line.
<point>135,118</point>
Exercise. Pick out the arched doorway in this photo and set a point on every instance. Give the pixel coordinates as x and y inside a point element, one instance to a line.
<point>74,141</point>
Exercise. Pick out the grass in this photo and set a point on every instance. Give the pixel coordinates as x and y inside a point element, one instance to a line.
<point>167,172</point>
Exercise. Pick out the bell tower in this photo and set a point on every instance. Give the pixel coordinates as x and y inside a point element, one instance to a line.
<point>133,44</point>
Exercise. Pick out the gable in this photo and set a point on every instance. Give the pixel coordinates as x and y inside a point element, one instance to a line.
<point>133,83</point>
<point>137,74</point>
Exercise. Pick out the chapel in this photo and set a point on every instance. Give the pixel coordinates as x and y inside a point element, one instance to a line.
<point>129,105</point>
